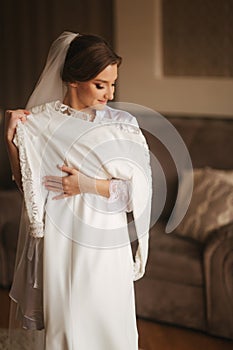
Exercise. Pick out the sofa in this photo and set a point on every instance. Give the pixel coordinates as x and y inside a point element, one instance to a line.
<point>189,277</point>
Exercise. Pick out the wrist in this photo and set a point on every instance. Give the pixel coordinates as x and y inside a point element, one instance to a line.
<point>95,186</point>
<point>9,136</point>
<point>102,187</point>
<point>9,133</point>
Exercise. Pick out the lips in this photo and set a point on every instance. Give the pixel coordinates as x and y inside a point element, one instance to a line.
<point>102,101</point>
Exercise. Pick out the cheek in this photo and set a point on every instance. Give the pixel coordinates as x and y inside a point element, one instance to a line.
<point>95,93</point>
<point>90,91</point>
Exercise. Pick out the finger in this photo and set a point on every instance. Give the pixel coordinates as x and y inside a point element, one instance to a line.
<point>26,111</point>
<point>67,169</point>
<point>22,112</point>
<point>17,112</point>
<point>23,119</point>
<point>53,188</point>
<point>61,196</point>
<point>50,178</point>
<point>52,184</point>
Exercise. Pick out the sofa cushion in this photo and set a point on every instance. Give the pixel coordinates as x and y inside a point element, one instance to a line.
<point>173,258</point>
<point>211,205</point>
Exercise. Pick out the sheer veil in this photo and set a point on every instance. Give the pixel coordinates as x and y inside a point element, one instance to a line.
<point>26,314</point>
<point>50,86</point>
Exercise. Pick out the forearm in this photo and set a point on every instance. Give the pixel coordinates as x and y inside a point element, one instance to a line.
<point>117,191</point>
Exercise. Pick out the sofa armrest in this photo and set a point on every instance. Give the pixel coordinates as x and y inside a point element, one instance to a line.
<point>218,269</point>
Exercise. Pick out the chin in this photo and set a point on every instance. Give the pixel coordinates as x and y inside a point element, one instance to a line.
<point>100,106</point>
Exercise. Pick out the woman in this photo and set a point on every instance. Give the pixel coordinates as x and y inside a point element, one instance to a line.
<point>74,276</point>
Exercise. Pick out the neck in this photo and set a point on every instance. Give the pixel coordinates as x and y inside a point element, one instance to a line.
<point>71,101</point>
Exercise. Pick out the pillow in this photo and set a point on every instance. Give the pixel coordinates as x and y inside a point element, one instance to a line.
<point>225,175</point>
<point>211,205</point>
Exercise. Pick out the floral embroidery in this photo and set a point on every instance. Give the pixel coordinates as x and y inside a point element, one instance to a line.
<point>36,226</point>
<point>38,109</point>
<point>67,110</point>
<point>123,123</point>
<point>128,127</point>
<point>120,193</point>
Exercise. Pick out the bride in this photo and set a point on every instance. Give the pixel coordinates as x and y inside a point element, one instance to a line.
<point>81,166</point>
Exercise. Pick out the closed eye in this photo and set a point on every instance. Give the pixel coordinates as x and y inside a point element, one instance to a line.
<point>99,86</point>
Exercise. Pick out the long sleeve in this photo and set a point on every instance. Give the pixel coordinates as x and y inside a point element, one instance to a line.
<point>141,205</point>
<point>27,286</point>
<point>30,171</point>
<point>135,169</point>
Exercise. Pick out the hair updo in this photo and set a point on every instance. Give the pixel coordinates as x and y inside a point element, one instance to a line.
<point>86,57</point>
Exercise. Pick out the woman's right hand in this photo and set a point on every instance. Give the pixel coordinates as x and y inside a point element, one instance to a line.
<point>11,119</point>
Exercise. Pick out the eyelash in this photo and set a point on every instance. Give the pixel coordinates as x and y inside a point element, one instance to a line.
<point>99,86</point>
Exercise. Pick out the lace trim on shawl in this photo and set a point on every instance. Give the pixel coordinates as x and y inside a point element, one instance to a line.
<point>69,111</point>
<point>127,128</point>
<point>36,227</point>
<point>123,123</point>
<point>38,109</point>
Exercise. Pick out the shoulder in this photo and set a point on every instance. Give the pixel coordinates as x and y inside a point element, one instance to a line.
<point>40,114</point>
<point>38,119</point>
<point>117,115</point>
<point>41,109</point>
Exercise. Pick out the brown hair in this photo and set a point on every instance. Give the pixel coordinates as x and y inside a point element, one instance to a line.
<point>86,57</point>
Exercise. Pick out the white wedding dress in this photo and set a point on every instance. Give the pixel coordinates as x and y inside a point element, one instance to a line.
<point>82,243</point>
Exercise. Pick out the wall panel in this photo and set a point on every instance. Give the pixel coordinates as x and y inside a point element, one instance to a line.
<point>140,40</point>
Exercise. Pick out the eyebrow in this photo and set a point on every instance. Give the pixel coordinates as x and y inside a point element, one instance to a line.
<point>103,81</point>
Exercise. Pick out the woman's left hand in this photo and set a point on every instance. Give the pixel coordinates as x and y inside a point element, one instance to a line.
<point>67,185</point>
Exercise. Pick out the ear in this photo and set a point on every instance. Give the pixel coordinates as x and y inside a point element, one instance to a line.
<point>73,85</point>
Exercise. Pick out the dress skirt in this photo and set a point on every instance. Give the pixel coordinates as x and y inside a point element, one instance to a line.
<point>88,295</point>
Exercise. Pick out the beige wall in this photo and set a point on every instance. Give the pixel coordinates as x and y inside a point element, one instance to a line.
<point>138,40</point>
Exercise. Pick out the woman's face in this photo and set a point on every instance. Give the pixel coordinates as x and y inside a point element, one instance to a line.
<point>96,92</point>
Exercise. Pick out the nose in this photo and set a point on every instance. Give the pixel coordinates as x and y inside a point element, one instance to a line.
<point>109,94</point>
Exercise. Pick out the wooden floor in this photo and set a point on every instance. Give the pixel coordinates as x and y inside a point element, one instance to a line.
<point>153,336</point>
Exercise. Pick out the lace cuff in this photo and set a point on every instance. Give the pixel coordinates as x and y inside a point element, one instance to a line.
<point>120,195</point>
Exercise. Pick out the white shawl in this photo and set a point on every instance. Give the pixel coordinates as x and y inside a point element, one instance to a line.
<point>108,148</point>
